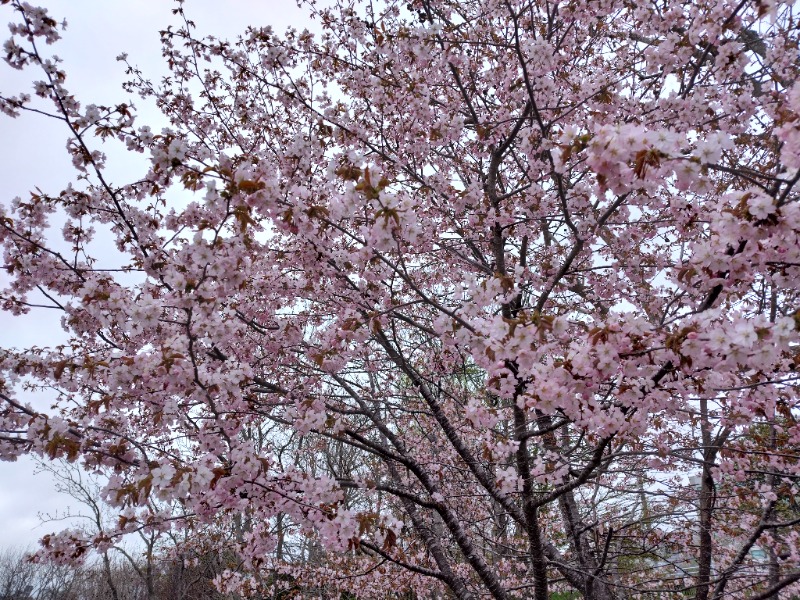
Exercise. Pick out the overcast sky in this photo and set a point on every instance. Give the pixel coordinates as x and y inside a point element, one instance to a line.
<point>32,155</point>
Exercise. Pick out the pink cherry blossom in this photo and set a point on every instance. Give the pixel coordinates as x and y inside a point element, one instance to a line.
<point>459,299</point>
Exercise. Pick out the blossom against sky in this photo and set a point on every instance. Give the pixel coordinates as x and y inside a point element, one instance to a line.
<point>97,32</point>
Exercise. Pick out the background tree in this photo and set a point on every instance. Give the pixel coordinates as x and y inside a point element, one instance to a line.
<point>456,298</point>
<point>22,579</point>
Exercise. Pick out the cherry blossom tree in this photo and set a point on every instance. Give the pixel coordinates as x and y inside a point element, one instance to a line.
<point>459,298</point>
